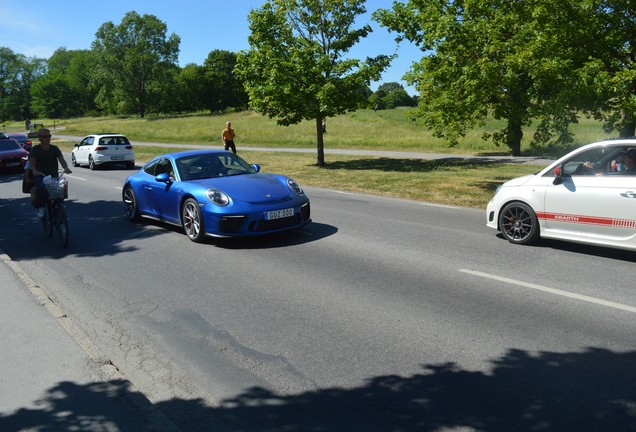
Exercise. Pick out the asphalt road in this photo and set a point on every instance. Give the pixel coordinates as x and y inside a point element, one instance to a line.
<point>382,314</point>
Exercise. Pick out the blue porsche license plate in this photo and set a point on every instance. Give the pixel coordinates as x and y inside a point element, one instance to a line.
<point>278,214</point>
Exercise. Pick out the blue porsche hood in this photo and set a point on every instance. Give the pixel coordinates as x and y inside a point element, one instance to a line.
<point>251,188</point>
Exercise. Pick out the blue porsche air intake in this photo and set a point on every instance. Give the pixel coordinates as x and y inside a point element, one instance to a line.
<point>231,224</point>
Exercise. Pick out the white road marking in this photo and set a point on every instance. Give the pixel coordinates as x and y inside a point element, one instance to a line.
<point>75,177</point>
<point>559,292</point>
<point>438,205</point>
<point>346,193</point>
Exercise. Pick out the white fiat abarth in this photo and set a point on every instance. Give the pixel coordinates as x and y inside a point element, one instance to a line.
<point>587,196</point>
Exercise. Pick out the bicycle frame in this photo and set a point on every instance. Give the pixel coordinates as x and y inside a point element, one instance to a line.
<point>55,218</point>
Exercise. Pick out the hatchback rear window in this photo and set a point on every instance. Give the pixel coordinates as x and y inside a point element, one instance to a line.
<point>114,141</point>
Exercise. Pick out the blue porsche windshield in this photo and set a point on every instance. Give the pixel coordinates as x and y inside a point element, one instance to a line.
<point>211,165</point>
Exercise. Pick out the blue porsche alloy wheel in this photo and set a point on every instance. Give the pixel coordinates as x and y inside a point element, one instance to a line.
<point>193,220</point>
<point>130,204</point>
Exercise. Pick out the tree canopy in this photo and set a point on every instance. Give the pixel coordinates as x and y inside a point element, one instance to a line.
<point>223,89</point>
<point>608,72</point>
<point>17,75</point>
<point>65,89</point>
<point>520,61</point>
<point>297,66</point>
<point>391,95</point>
<point>134,56</point>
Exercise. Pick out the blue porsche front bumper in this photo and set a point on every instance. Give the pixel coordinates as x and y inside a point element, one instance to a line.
<point>255,223</point>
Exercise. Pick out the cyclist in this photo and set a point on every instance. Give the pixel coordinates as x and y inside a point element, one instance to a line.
<point>43,161</point>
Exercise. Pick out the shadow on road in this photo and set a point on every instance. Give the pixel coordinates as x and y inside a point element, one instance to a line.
<point>99,228</point>
<point>96,229</point>
<point>591,250</point>
<point>417,165</point>
<point>592,390</point>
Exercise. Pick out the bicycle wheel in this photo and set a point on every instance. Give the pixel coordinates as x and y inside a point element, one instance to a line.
<point>61,225</point>
<point>47,221</point>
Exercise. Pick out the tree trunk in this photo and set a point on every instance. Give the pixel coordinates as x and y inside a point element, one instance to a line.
<point>321,147</point>
<point>513,136</point>
<point>629,126</point>
<point>142,99</point>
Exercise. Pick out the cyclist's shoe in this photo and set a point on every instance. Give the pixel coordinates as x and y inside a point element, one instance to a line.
<point>40,213</point>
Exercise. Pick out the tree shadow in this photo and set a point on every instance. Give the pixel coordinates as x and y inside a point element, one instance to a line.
<point>99,228</point>
<point>592,390</point>
<point>417,165</point>
<point>96,229</point>
<point>12,177</point>
<point>98,406</point>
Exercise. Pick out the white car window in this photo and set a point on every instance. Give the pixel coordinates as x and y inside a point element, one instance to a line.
<point>597,162</point>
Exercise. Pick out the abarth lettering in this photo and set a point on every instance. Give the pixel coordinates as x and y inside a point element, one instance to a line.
<point>566,218</point>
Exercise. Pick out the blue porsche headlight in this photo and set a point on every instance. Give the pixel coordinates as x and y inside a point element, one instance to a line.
<point>294,186</point>
<point>217,197</point>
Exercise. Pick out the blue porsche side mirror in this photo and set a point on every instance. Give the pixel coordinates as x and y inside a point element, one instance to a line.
<point>256,167</point>
<point>163,178</point>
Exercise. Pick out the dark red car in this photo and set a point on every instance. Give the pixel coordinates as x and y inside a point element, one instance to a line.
<point>12,156</point>
<point>22,138</point>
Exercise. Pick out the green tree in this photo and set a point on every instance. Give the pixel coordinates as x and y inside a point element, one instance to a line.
<point>163,91</point>
<point>191,87</point>
<point>17,75</point>
<point>52,96</point>
<point>608,72</point>
<point>296,68</point>
<point>512,60</point>
<point>398,97</point>
<point>65,90</point>
<point>386,88</point>
<point>390,95</point>
<point>79,76</point>
<point>8,72</point>
<point>132,58</point>
<point>223,89</point>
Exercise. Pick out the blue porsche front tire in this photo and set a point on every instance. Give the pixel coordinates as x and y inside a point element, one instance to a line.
<point>192,220</point>
<point>131,206</point>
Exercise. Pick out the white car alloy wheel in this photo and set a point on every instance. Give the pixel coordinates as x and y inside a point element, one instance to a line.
<point>519,223</point>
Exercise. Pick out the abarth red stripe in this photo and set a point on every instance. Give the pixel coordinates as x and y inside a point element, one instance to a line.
<point>588,220</point>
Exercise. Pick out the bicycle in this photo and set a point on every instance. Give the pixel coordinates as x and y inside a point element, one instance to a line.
<point>55,210</point>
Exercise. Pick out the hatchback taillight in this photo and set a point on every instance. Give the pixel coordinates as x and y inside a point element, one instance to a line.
<point>101,148</point>
<point>128,147</point>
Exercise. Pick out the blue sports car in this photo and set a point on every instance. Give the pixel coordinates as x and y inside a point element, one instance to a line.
<point>214,193</point>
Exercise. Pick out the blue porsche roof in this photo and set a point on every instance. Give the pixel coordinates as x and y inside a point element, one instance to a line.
<point>186,153</point>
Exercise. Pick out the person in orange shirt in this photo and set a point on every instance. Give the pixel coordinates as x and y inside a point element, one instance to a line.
<point>228,137</point>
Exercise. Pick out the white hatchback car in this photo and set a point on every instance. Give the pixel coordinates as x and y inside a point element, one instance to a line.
<point>587,196</point>
<point>100,149</point>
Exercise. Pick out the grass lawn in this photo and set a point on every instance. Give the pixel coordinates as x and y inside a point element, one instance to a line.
<point>462,183</point>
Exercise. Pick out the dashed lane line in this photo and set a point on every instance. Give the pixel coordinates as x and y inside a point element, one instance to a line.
<point>554,291</point>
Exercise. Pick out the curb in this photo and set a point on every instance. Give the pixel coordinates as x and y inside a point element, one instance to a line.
<point>151,413</point>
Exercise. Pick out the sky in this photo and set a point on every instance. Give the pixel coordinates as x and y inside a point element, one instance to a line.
<point>36,28</point>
